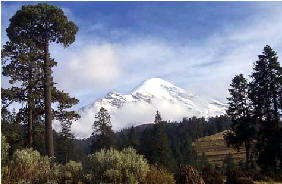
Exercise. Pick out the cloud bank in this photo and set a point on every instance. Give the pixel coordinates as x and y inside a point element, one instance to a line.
<point>93,67</point>
<point>131,114</point>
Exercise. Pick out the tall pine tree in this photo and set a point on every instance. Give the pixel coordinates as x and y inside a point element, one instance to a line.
<point>43,24</point>
<point>161,152</point>
<point>266,95</point>
<point>66,118</point>
<point>239,111</point>
<point>104,136</point>
<point>133,140</point>
<point>22,64</point>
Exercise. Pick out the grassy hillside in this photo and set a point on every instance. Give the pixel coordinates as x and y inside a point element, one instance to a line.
<point>216,150</point>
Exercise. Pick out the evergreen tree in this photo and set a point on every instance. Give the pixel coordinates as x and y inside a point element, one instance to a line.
<point>11,129</point>
<point>266,96</point>
<point>104,136</point>
<point>43,24</point>
<point>266,86</point>
<point>65,117</point>
<point>21,63</point>
<point>133,140</point>
<point>146,144</point>
<point>239,111</point>
<point>161,151</point>
<point>158,118</point>
<point>188,154</point>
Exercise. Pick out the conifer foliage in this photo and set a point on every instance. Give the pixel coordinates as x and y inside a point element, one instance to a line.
<point>255,109</point>
<point>133,140</point>
<point>161,152</point>
<point>240,113</point>
<point>266,95</point>
<point>42,24</point>
<point>104,136</point>
<point>21,63</point>
<point>33,28</point>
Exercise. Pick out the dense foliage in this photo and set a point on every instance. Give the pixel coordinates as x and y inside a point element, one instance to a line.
<point>27,61</point>
<point>255,109</point>
<point>157,175</point>
<point>117,167</point>
<point>104,136</point>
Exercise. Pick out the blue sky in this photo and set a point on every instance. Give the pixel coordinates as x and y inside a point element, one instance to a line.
<point>198,46</point>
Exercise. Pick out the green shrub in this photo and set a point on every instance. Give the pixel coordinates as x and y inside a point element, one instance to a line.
<point>157,175</point>
<point>237,176</point>
<point>27,166</point>
<point>73,171</point>
<point>4,158</point>
<point>4,150</point>
<point>189,175</point>
<point>56,174</point>
<point>117,167</point>
<point>211,176</point>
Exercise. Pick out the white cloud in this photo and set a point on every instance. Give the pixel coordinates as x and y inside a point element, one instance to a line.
<point>130,114</point>
<point>91,68</point>
<point>142,112</point>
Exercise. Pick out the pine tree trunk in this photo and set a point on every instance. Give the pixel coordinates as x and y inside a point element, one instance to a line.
<point>247,147</point>
<point>280,152</point>
<point>47,101</point>
<point>276,111</point>
<point>30,107</point>
<point>30,123</point>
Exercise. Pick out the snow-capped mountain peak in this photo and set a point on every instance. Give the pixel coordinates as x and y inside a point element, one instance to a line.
<point>139,106</point>
<point>158,88</point>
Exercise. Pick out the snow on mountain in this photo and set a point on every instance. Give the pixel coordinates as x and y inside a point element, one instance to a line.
<point>140,105</point>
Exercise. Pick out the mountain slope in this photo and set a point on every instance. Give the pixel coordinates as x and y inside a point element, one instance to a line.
<point>139,106</point>
<point>216,150</point>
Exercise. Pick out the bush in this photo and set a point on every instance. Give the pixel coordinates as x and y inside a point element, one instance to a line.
<point>189,175</point>
<point>4,158</point>
<point>157,175</point>
<point>119,167</point>
<point>27,166</point>
<point>56,175</point>
<point>30,164</point>
<point>4,150</point>
<point>211,176</point>
<point>238,177</point>
<point>73,171</point>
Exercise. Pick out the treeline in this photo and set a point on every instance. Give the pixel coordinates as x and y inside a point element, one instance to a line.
<point>173,138</point>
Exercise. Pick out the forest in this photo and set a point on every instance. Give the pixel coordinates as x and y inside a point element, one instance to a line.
<point>161,152</point>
